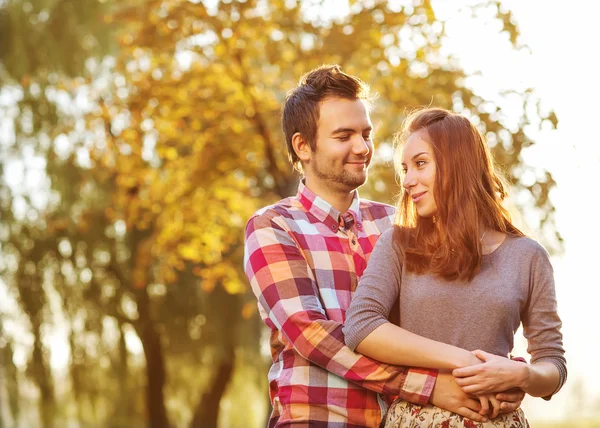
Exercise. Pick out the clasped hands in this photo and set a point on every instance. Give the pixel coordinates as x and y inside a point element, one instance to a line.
<point>491,374</point>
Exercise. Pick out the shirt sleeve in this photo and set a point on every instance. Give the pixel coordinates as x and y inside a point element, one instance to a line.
<point>541,323</point>
<point>287,292</point>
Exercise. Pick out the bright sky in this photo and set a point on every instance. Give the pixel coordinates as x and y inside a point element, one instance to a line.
<point>562,70</point>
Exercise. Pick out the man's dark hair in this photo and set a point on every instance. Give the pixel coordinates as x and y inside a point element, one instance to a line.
<point>301,109</point>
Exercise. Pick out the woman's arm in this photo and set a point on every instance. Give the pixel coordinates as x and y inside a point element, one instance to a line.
<point>542,380</point>
<point>394,345</point>
<point>541,327</point>
<point>368,330</point>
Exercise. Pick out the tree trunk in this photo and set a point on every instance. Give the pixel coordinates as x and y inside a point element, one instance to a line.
<point>123,406</point>
<point>2,424</point>
<point>223,313</point>
<point>75,371</point>
<point>207,411</point>
<point>155,363</point>
<point>43,378</point>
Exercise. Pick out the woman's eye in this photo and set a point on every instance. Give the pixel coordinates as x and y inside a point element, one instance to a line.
<point>420,163</point>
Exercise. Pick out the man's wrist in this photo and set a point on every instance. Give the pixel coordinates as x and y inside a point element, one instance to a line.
<point>419,385</point>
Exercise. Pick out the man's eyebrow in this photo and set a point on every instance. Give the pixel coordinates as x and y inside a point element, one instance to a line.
<point>416,156</point>
<point>341,130</point>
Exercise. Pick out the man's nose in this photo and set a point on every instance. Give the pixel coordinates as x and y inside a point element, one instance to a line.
<point>361,146</point>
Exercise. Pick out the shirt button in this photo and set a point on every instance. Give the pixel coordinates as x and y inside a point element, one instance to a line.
<point>359,226</point>
<point>333,226</point>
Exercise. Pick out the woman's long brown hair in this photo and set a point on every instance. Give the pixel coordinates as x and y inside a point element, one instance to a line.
<point>468,193</point>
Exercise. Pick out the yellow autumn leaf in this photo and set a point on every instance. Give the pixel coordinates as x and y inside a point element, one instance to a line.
<point>248,310</point>
<point>189,252</point>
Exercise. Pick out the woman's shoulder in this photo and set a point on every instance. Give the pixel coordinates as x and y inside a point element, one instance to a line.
<point>521,246</point>
<point>386,239</point>
<point>395,235</point>
<point>389,240</point>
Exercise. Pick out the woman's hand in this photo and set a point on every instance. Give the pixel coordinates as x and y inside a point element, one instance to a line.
<point>494,374</point>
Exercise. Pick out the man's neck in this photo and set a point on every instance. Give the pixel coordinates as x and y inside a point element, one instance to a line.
<point>340,200</point>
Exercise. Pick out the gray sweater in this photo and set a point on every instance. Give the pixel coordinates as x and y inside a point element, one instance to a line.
<point>515,284</point>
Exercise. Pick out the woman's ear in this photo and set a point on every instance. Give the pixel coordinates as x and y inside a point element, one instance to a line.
<point>301,147</point>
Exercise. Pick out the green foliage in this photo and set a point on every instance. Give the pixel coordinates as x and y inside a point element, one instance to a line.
<point>52,36</point>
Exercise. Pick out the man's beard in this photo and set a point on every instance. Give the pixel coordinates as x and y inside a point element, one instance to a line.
<point>341,180</point>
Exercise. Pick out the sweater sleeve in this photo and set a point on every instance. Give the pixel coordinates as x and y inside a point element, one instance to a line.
<point>377,291</point>
<point>541,323</point>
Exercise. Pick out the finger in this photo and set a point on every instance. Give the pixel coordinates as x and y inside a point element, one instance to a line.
<point>507,406</point>
<point>512,395</point>
<point>473,404</point>
<point>467,371</point>
<point>495,407</point>
<point>468,413</point>
<point>468,383</point>
<point>485,405</point>
<point>482,355</point>
<point>463,381</point>
<point>475,389</point>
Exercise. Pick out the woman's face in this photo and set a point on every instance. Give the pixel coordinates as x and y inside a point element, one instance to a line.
<point>418,165</point>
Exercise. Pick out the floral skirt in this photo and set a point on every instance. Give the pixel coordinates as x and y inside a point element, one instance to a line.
<point>407,415</point>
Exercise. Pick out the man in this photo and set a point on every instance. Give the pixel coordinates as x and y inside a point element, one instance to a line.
<point>304,256</point>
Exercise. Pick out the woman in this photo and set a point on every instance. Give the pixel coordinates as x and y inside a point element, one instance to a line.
<point>464,277</point>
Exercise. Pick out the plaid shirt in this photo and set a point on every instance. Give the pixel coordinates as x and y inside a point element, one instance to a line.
<point>303,260</point>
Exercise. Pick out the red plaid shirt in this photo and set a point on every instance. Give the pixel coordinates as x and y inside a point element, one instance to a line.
<point>303,260</point>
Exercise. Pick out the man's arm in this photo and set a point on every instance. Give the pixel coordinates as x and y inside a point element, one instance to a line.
<point>286,290</point>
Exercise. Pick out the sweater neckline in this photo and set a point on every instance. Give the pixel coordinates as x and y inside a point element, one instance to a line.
<point>500,247</point>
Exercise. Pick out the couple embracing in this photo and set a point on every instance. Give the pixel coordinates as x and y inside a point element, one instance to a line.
<point>397,316</point>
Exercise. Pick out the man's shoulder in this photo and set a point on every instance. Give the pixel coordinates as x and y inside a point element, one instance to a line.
<point>376,210</point>
<point>286,209</point>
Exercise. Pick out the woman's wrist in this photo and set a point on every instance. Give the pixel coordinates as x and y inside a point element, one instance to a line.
<point>523,375</point>
<point>467,359</point>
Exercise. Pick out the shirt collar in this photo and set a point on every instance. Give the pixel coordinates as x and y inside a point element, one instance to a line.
<point>326,213</point>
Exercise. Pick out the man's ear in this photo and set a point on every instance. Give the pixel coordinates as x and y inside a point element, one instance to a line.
<point>301,147</point>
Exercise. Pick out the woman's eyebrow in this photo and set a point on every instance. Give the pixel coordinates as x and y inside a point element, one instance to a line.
<point>416,156</point>
<point>419,154</point>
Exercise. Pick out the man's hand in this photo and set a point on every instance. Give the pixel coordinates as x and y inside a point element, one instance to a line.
<point>489,405</point>
<point>510,400</point>
<point>448,396</point>
<point>494,374</point>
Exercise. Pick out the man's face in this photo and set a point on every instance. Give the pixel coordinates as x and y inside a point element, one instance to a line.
<point>344,147</point>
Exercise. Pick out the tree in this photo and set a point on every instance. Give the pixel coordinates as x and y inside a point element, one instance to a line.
<point>190,129</point>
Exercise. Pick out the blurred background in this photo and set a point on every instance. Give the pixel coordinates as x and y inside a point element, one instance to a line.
<point>136,138</point>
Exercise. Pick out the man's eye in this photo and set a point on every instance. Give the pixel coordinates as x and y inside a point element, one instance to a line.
<point>367,136</point>
<point>344,138</point>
